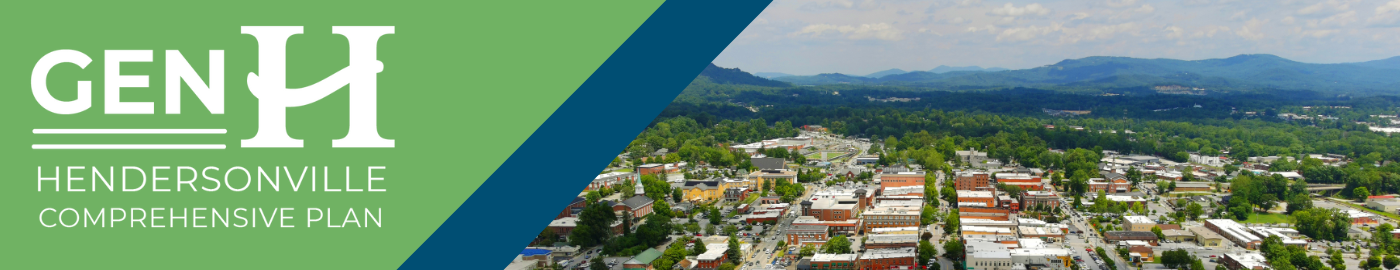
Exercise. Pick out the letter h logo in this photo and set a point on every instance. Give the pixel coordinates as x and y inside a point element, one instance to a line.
<point>269,85</point>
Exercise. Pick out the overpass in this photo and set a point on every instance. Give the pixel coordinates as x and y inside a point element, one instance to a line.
<point>1326,190</point>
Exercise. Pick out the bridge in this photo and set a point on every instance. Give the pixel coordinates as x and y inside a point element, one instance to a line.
<point>1325,189</point>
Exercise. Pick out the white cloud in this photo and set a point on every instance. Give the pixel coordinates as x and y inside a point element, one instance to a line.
<point>1010,10</point>
<point>1081,15</point>
<point>1387,15</point>
<point>1210,31</point>
<point>1027,33</point>
<point>1109,31</point>
<point>1146,8</point>
<point>1340,19</point>
<point>1251,29</point>
<point>882,31</point>
<point>1174,32</point>
<point>1119,4</point>
<point>1288,20</point>
<point>968,3</point>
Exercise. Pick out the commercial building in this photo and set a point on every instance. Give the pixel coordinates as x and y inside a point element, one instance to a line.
<point>715,255</point>
<point>808,234</point>
<point>610,179</point>
<point>891,241</point>
<point>759,178</point>
<point>886,217</point>
<point>1192,187</point>
<point>833,261</point>
<point>827,209</point>
<point>1206,237</point>
<point>1031,199</point>
<point>1109,186</point>
<point>1234,232</point>
<point>1384,205</point>
<point>1244,261</point>
<point>837,227</point>
<point>1178,235</point>
<point>980,198</point>
<point>1138,223</point>
<point>887,258</point>
<point>1115,236</point>
<point>972,180</point>
<point>901,179</point>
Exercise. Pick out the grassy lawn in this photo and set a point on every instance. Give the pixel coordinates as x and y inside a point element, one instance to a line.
<point>815,156</point>
<point>626,170</point>
<point>1268,218</point>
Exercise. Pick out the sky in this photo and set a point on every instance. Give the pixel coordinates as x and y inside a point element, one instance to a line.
<point>858,37</point>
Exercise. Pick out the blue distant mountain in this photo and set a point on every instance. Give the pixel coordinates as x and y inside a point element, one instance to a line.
<point>1389,63</point>
<point>770,75</point>
<point>721,75</point>
<point>1241,72</point>
<point>893,71</point>
<point>946,69</point>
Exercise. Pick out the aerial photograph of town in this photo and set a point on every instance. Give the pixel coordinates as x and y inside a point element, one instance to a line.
<point>1014,135</point>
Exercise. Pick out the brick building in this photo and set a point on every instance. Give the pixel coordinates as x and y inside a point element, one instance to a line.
<point>901,179</point>
<point>886,217</point>
<point>808,235</point>
<point>888,258</point>
<point>972,180</point>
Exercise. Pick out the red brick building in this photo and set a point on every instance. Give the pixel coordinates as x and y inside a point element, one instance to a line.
<point>654,168</point>
<point>972,181</point>
<point>887,258</point>
<point>901,179</point>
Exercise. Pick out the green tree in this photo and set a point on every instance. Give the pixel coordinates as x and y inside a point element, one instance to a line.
<point>807,251</point>
<point>726,266</point>
<point>951,224</point>
<point>597,264</point>
<point>953,250</point>
<point>733,251</point>
<point>1158,231</point>
<point>1391,261</point>
<point>926,251</point>
<point>1194,210</point>
<point>837,245</point>
<point>699,249</point>
<point>1361,193</point>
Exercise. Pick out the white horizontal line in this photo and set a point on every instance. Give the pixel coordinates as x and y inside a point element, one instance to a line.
<point>130,131</point>
<point>129,146</point>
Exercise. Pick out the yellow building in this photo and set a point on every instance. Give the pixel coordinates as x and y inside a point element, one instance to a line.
<point>758,178</point>
<point>1206,237</point>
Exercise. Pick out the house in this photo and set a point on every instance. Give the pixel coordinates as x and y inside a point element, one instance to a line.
<point>715,255</point>
<point>1141,254</point>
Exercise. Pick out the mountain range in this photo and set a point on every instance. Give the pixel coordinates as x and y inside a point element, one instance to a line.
<point>1241,72</point>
